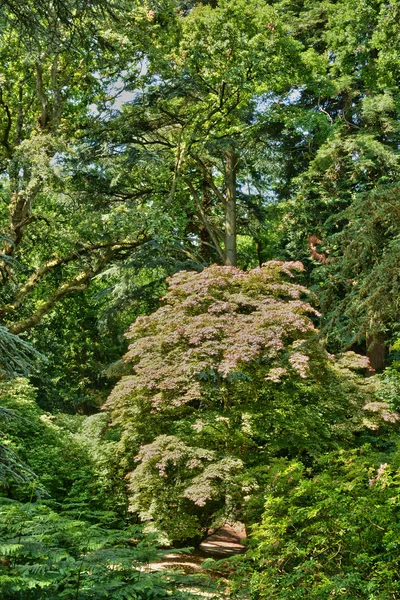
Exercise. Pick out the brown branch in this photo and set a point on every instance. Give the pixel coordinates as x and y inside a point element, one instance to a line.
<point>57,95</point>
<point>59,261</point>
<point>222,94</point>
<point>80,283</point>
<point>206,223</point>
<point>20,117</point>
<point>21,203</point>
<point>178,162</point>
<point>321,257</point>
<point>207,85</point>
<point>6,134</point>
<point>30,219</point>
<point>133,195</point>
<point>44,117</point>
<point>209,179</point>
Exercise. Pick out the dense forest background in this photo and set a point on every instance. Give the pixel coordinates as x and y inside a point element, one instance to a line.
<point>199,296</point>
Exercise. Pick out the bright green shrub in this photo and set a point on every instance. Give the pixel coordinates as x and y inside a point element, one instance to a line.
<point>69,458</point>
<point>329,531</point>
<point>390,387</point>
<point>78,544</point>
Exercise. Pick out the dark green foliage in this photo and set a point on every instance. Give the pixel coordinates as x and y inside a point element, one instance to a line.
<point>340,218</point>
<point>77,350</point>
<point>46,555</point>
<point>361,289</point>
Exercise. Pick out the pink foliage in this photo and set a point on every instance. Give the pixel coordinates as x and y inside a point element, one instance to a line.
<point>220,321</point>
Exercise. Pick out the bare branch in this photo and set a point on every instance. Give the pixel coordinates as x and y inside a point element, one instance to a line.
<point>44,117</point>
<point>6,134</point>
<point>209,179</point>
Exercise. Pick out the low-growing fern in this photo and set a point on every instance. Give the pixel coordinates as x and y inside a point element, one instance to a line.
<point>45,555</point>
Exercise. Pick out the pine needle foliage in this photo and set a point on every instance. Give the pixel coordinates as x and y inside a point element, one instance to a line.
<point>361,291</point>
<point>17,357</point>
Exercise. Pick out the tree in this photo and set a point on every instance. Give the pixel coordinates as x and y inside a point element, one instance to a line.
<point>51,247</point>
<point>355,165</point>
<point>226,374</point>
<point>196,116</point>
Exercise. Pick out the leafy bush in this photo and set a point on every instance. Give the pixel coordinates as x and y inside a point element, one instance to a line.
<point>330,531</point>
<point>390,387</point>
<point>76,548</point>
<point>68,458</point>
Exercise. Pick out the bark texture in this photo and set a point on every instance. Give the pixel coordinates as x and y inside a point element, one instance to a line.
<point>230,209</point>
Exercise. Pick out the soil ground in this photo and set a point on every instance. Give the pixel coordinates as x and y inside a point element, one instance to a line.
<point>224,542</point>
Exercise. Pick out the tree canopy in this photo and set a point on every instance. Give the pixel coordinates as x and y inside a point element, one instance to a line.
<point>219,182</point>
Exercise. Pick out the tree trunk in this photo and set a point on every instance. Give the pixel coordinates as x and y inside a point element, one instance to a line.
<point>376,351</point>
<point>230,208</point>
<point>206,243</point>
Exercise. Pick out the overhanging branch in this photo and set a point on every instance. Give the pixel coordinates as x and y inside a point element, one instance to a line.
<point>209,179</point>
<point>54,263</point>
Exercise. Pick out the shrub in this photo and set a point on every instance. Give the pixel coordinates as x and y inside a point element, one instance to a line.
<point>330,531</point>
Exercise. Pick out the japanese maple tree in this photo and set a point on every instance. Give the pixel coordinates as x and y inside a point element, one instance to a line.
<point>227,373</point>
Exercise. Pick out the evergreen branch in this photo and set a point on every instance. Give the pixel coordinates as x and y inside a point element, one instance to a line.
<point>16,356</point>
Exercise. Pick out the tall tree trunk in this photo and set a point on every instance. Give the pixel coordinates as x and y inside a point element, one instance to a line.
<point>206,243</point>
<point>230,208</point>
<point>376,351</point>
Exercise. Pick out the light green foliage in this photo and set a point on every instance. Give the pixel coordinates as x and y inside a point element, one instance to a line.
<point>57,230</point>
<point>389,383</point>
<point>327,531</point>
<point>198,99</point>
<point>67,457</point>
